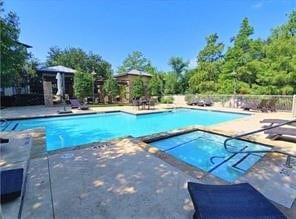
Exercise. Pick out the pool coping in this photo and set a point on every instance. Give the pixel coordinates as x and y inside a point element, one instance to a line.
<point>189,169</point>
<point>168,109</point>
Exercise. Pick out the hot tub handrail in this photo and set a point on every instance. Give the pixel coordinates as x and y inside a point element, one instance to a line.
<point>261,151</point>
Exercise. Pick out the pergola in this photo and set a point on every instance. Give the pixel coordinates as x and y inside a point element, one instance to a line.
<point>49,81</point>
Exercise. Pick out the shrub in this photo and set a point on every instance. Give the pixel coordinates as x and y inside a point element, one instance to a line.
<point>167,100</point>
<point>137,89</point>
<point>82,85</point>
<point>111,88</point>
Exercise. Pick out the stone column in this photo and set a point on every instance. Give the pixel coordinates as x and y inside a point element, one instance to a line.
<point>47,90</point>
<point>294,106</point>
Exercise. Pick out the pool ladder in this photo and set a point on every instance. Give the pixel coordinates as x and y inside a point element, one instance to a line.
<point>289,156</point>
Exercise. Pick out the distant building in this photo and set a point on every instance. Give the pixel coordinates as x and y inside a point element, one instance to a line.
<point>126,79</point>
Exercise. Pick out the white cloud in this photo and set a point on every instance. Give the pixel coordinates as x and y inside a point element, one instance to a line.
<point>258,5</point>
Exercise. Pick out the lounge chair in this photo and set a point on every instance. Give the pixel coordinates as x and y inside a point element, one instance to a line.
<point>136,103</point>
<point>208,102</point>
<point>76,104</point>
<point>4,140</point>
<point>248,105</point>
<point>231,201</point>
<point>280,131</point>
<point>11,184</point>
<point>151,104</point>
<point>276,121</point>
<point>197,102</point>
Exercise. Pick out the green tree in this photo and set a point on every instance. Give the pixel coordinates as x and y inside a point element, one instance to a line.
<point>111,88</point>
<point>209,61</point>
<point>135,60</point>
<point>137,89</point>
<point>13,54</point>
<point>171,83</point>
<point>237,58</point>
<point>279,61</point>
<point>155,86</point>
<point>179,66</point>
<point>82,84</point>
<point>78,59</point>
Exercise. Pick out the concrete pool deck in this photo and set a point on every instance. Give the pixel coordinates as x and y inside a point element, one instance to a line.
<point>118,181</point>
<point>122,180</point>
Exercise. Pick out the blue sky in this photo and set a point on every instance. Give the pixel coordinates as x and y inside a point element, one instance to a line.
<point>158,28</point>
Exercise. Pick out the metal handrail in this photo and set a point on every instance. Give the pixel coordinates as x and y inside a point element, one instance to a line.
<point>288,161</point>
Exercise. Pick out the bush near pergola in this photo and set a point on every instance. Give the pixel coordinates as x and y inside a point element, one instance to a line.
<point>111,88</point>
<point>137,89</point>
<point>82,85</point>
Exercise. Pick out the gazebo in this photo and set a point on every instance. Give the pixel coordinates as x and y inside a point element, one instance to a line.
<point>48,75</point>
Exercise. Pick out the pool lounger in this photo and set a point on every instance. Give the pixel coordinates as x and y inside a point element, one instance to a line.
<point>4,140</point>
<point>76,104</point>
<point>230,201</point>
<point>278,132</point>
<point>11,184</point>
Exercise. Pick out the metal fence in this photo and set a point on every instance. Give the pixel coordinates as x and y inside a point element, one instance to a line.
<point>282,102</point>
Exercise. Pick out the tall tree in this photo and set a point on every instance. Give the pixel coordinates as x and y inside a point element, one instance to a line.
<point>236,60</point>
<point>78,59</point>
<point>135,60</point>
<point>209,61</point>
<point>13,54</point>
<point>279,75</point>
<point>179,66</point>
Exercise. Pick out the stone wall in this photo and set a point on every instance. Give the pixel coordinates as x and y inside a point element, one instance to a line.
<point>47,91</point>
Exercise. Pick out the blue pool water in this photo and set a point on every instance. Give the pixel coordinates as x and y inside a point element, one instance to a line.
<point>197,149</point>
<point>76,130</point>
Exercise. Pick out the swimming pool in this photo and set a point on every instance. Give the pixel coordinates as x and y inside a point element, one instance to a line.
<point>68,131</point>
<point>205,151</point>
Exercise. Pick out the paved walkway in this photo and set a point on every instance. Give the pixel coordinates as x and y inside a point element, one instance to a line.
<point>118,181</point>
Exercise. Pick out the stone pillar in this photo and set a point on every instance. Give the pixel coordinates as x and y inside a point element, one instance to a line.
<point>47,90</point>
<point>294,106</point>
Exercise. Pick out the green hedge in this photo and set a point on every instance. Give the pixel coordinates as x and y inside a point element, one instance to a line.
<point>167,100</point>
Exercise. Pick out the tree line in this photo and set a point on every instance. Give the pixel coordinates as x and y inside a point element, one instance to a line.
<point>247,66</point>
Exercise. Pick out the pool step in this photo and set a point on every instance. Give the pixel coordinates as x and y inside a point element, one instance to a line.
<point>4,125</point>
<point>10,126</point>
<point>246,162</point>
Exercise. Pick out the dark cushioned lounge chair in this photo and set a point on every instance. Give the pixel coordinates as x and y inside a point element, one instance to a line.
<point>197,102</point>
<point>76,104</point>
<point>208,102</point>
<point>248,105</point>
<point>240,201</point>
<point>11,184</point>
<point>279,131</point>
<point>4,140</point>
